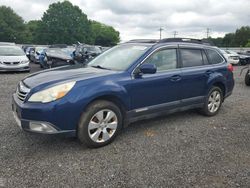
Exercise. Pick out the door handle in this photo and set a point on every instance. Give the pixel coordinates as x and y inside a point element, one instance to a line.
<point>209,72</point>
<point>175,78</point>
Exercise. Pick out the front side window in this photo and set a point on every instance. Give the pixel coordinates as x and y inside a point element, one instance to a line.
<point>214,57</point>
<point>164,59</point>
<point>191,57</point>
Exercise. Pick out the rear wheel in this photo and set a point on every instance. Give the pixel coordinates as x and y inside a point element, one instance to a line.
<point>213,102</point>
<point>99,124</point>
<point>247,79</point>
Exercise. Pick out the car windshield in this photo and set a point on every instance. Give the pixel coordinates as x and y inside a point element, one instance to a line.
<point>119,57</point>
<point>11,51</point>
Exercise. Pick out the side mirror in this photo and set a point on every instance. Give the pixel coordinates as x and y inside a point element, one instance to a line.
<point>147,68</point>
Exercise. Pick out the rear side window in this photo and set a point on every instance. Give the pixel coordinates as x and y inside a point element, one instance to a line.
<point>214,57</point>
<point>191,57</point>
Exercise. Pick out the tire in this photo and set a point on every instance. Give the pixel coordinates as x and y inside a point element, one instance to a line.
<point>212,102</point>
<point>94,130</point>
<point>247,79</point>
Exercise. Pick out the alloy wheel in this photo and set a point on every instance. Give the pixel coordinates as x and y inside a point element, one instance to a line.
<point>102,126</point>
<point>214,101</point>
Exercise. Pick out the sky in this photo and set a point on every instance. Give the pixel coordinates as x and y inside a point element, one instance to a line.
<point>136,19</point>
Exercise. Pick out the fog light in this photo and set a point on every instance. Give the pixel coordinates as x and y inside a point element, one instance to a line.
<point>42,127</point>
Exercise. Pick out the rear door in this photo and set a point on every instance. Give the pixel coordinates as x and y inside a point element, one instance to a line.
<point>195,73</point>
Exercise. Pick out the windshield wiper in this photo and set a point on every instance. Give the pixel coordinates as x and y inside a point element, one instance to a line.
<point>100,67</point>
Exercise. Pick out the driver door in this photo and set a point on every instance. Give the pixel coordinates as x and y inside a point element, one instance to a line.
<point>161,90</point>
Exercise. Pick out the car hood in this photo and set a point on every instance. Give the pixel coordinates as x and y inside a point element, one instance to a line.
<point>13,58</point>
<point>62,74</point>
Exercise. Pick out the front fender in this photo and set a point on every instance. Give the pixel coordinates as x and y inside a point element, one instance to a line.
<point>86,93</point>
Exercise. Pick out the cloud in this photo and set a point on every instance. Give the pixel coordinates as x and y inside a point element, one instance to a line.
<point>142,19</point>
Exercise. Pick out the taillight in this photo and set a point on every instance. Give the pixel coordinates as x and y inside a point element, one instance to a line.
<point>230,67</point>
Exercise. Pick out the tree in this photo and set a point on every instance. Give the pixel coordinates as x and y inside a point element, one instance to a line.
<point>228,40</point>
<point>217,41</point>
<point>11,26</point>
<point>239,38</point>
<point>104,35</point>
<point>242,35</point>
<point>64,23</point>
<point>31,32</point>
<point>248,44</point>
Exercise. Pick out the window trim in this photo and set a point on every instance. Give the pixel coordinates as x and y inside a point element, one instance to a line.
<point>179,61</point>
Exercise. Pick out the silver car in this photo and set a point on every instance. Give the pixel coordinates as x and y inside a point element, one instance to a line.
<point>12,58</point>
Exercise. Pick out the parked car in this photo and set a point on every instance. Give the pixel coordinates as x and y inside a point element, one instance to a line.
<point>232,57</point>
<point>130,82</point>
<point>35,54</point>
<point>83,53</point>
<point>247,75</point>
<point>12,58</point>
<point>28,51</point>
<point>55,57</point>
<point>244,58</point>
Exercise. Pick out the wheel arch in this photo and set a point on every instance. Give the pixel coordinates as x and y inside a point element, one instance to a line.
<point>114,99</point>
<point>221,86</point>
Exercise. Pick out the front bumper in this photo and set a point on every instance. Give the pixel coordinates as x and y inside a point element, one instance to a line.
<point>14,68</point>
<point>36,123</point>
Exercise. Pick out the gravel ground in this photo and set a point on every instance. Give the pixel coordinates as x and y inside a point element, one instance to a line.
<point>179,150</point>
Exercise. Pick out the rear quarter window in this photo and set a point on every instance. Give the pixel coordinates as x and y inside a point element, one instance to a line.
<point>214,57</point>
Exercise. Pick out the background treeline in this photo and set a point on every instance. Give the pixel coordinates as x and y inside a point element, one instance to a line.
<point>240,38</point>
<point>61,23</point>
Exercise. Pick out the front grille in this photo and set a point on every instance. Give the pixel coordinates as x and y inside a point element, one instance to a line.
<point>22,91</point>
<point>11,63</point>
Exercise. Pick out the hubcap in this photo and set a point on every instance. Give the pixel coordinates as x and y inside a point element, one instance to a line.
<point>102,125</point>
<point>214,101</point>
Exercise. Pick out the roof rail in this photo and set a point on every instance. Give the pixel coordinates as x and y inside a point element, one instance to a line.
<point>188,40</point>
<point>143,41</point>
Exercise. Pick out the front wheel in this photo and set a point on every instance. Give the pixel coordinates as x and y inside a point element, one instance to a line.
<point>99,124</point>
<point>247,78</point>
<point>213,102</point>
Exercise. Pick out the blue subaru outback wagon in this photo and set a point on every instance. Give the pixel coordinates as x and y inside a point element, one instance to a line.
<point>132,81</point>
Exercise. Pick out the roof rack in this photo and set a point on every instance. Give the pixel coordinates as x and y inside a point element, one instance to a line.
<point>183,40</point>
<point>188,40</point>
<point>143,41</point>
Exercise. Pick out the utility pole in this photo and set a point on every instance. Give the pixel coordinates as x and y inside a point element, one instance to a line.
<point>161,29</point>
<point>175,33</point>
<point>208,32</point>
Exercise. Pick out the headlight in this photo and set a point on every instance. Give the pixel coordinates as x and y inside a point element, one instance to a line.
<point>25,61</point>
<point>52,93</point>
